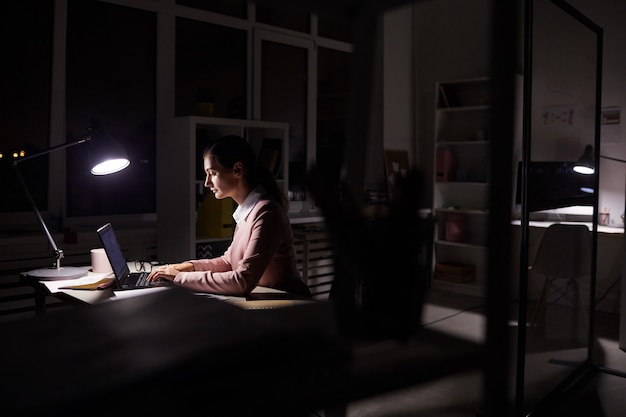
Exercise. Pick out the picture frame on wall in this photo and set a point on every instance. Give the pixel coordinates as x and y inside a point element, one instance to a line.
<point>396,166</point>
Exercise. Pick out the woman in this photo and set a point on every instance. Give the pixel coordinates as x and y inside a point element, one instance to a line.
<point>262,250</point>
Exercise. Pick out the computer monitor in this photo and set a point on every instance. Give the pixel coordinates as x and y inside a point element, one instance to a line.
<point>554,184</point>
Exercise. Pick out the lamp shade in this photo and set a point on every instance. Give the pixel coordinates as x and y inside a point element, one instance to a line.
<point>585,164</point>
<point>107,156</point>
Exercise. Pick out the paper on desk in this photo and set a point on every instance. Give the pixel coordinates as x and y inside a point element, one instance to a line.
<point>102,284</point>
<point>90,278</point>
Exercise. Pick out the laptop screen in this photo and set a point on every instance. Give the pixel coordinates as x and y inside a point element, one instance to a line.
<point>113,251</point>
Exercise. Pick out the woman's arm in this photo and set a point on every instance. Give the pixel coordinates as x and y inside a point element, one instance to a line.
<point>254,245</point>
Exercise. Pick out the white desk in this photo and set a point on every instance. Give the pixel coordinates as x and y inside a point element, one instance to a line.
<point>601,229</point>
<point>260,298</point>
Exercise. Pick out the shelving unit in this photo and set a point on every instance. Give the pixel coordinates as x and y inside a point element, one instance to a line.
<point>179,189</point>
<point>461,189</point>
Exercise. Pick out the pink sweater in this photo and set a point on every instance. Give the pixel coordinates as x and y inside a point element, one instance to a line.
<point>261,253</point>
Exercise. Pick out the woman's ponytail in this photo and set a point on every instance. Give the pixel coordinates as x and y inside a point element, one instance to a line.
<point>265,178</point>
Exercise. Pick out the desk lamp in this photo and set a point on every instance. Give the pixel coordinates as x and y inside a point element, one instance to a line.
<point>111,158</point>
<point>585,165</point>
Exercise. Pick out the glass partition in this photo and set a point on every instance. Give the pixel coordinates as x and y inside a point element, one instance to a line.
<point>561,108</point>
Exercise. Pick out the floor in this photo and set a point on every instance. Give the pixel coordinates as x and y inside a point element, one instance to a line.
<point>460,395</point>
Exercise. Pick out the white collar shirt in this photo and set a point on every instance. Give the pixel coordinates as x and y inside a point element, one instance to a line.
<point>244,208</point>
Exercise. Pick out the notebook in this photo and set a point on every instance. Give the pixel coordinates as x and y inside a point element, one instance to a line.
<point>126,280</point>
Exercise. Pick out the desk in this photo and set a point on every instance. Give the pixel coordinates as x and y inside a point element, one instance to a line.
<point>282,361</point>
<point>545,224</point>
<point>193,353</point>
<point>260,298</point>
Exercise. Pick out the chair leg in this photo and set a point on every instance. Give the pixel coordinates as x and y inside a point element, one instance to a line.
<point>581,305</point>
<point>541,304</point>
<point>569,318</point>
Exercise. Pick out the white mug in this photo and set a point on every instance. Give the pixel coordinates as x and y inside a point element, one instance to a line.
<point>99,261</point>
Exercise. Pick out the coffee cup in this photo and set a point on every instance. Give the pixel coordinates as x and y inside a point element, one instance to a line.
<point>99,261</point>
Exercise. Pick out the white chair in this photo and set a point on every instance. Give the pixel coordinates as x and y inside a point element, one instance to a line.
<point>563,258</point>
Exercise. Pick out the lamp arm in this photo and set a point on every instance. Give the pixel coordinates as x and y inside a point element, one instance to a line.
<point>58,253</point>
<point>613,159</point>
<point>83,139</point>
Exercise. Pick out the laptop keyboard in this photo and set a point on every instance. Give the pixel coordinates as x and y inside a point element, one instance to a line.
<point>136,279</point>
<point>142,280</point>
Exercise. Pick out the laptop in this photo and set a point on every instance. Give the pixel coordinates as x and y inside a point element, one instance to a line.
<point>126,280</point>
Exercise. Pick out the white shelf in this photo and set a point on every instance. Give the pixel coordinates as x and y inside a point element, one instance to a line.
<point>462,192</point>
<point>465,196</point>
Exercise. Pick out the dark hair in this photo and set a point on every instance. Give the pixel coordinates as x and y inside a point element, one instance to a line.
<point>231,149</point>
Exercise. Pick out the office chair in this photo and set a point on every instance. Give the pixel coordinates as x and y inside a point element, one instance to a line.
<point>564,254</point>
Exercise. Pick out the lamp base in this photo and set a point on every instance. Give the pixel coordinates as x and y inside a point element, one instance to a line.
<point>64,272</point>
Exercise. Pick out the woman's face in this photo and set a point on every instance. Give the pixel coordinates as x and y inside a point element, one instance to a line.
<point>221,181</point>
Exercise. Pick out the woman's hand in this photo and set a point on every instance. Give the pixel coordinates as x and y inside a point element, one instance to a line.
<point>169,271</point>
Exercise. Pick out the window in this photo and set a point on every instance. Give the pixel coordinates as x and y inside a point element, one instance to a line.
<point>333,83</point>
<point>236,8</point>
<point>291,76</point>
<point>334,27</point>
<point>283,75</point>
<point>210,70</point>
<point>111,54</point>
<point>284,17</point>
<point>25,101</point>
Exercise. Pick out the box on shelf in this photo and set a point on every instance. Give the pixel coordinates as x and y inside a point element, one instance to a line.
<point>452,272</point>
<point>215,217</point>
<point>456,228</point>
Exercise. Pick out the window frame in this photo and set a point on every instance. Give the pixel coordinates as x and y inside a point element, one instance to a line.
<point>261,35</point>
